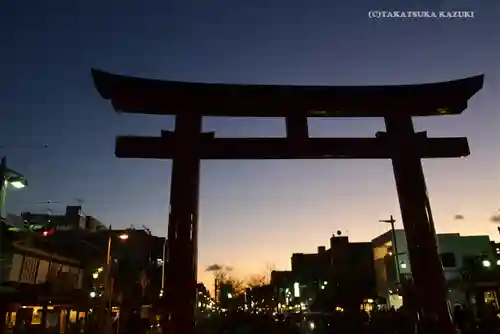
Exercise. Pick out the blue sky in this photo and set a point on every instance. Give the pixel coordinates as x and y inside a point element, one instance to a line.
<point>253,213</point>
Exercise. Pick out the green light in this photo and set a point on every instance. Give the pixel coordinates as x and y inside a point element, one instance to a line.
<point>318,112</point>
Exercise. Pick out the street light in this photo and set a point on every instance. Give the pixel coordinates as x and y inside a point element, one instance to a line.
<point>8,177</point>
<point>18,184</point>
<point>107,285</point>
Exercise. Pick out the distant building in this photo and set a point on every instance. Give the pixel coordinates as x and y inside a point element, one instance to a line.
<point>226,294</point>
<point>139,261</point>
<point>457,253</point>
<point>73,219</point>
<point>342,274</point>
<point>204,302</point>
<point>496,250</point>
<point>282,278</point>
<point>136,262</point>
<point>261,297</point>
<point>307,267</point>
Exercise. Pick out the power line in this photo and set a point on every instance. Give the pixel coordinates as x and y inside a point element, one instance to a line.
<point>7,147</point>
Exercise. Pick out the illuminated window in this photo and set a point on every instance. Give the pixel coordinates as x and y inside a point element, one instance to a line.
<point>36,318</point>
<point>72,316</point>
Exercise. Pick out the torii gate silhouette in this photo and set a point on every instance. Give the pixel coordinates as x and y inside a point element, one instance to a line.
<point>187,145</point>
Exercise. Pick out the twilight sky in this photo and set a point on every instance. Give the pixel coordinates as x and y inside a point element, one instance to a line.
<point>252,213</point>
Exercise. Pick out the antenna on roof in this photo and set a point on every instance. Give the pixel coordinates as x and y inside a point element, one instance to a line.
<point>80,202</point>
<point>148,231</point>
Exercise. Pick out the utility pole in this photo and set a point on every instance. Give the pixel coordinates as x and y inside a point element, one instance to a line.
<point>391,221</point>
<point>163,268</point>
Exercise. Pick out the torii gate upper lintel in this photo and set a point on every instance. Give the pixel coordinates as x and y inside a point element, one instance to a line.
<point>186,146</point>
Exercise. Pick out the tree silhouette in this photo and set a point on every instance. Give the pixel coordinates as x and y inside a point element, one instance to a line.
<point>262,278</point>
<point>256,280</point>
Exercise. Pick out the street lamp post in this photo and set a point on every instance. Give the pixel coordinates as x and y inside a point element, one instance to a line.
<point>150,255</point>
<point>107,280</point>
<point>16,180</point>
<point>8,177</point>
<point>163,267</point>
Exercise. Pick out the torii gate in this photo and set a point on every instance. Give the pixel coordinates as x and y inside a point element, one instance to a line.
<point>187,145</point>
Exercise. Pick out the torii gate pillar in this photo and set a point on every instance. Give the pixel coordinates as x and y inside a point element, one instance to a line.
<point>182,253</point>
<point>427,270</point>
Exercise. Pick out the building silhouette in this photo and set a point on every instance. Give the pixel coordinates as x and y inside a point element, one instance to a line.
<point>458,254</point>
<point>343,274</point>
<point>73,219</point>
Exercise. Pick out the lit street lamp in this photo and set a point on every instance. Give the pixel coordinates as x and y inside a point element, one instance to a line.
<point>122,236</point>
<point>9,177</point>
<point>107,277</point>
<point>486,263</point>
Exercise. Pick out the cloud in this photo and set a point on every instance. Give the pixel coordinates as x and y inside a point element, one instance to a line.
<point>495,218</point>
<point>459,217</point>
<point>218,267</point>
<point>214,267</point>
